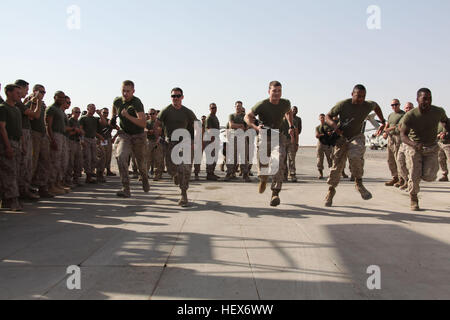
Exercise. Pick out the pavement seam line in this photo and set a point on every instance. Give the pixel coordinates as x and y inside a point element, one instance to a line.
<point>167,260</point>
<point>249,262</point>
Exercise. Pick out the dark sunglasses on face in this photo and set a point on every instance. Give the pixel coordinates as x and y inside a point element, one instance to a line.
<point>176,96</point>
<point>152,114</point>
<point>395,105</point>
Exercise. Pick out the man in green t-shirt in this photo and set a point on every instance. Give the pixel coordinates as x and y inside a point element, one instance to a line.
<point>293,145</point>
<point>444,152</point>
<point>155,158</point>
<point>271,113</point>
<point>394,140</point>
<point>91,126</point>
<point>10,149</point>
<point>76,156</point>
<point>352,142</point>
<point>401,156</point>
<point>174,117</point>
<point>325,144</point>
<point>26,161</point>
<point>131,137</point>
<point>236,121</point>
<point>54,117</point>
<point>212,123</point>
<point>419,132</point>
<point>41,145</point>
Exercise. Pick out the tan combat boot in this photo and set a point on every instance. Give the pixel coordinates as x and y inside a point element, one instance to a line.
<point>275,202</point>
<point>54,189</point>
<point>415,203</point>
<point>399,183</point>
<point>184,199</point>
<point>444,178</point>
<point>145,184</point>
<point>320,177</point>
<point>392,182</point>
<point>365,194</point>
<point>124,193</point>
<point>330,196</point>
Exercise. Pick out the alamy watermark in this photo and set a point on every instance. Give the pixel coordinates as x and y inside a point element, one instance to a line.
<point>374,281</point>
<point>74,280</point>
<point>74,17</point>
<point>240,147</point>
<point>374,19</point>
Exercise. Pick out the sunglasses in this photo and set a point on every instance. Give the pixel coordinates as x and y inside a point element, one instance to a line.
<point>176,96</point>
<point>77,112</point>
<point>152,114</point>
<point>395,105</point>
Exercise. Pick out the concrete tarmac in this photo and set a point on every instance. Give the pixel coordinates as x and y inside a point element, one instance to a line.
<point>230,244</point>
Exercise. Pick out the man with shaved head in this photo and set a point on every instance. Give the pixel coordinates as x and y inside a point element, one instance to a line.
<point>394,140</point>
<point>352,142</point>
<point>419,132</point>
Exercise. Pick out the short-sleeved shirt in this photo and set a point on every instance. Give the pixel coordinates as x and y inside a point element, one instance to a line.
<point>352,116</point>
<point>13,119</point>
<point>90,126</point>
<point>441,129</point>
<point>327,139</point>
<point>25,120</point>
<point>74,124</point>
<point>272,115</point>
<point>151,126</point>
<point>424,126</point>
<point>38,125</point>
<point>58,124</point>
<point>212,122</point>
<point>106,131</point>
<point>134,106</point>
<point>394,120</point>
<point>237,119</point>
<point>174,119</point>
<point>298,124</point>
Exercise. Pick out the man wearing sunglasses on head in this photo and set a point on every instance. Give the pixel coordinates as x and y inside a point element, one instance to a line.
<point>131,137</point>
<point>176,116</point>
<point>394,140</point>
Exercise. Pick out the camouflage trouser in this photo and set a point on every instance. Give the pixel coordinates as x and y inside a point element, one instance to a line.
<point>291,156</point>
<point>41,159</point>
<point>75,160</point>
<point>182,171</point>
<point>155,157</point>
<point>108,152</point>
<point>56,170</point>
<point>26,162</point>
<point>65,160</point>
<point>401,163</point>
<point>101,158</point>
<point>10,171</point>
<point>210,168</point>
<point>234,163</point>
<point>444,157</point>
<point>394,143</point>
<point>422,165</point>
<point>277,178</point>
<point>355,151</point>
<point>322,152</point>
<point>89,155</point>
<point>125,146</point>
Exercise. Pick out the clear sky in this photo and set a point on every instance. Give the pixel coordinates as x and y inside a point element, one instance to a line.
<point>222,51</point>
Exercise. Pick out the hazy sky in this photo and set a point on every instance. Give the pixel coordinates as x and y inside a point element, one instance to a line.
<point>223,51</point>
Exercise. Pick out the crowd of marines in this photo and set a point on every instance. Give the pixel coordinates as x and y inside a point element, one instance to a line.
<point>44,151</point>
